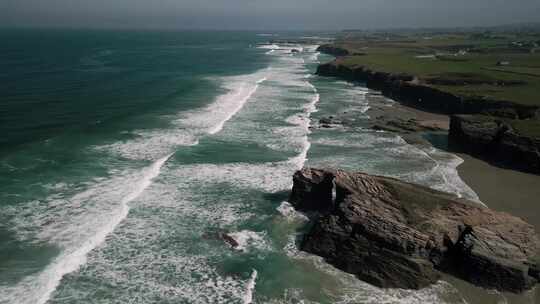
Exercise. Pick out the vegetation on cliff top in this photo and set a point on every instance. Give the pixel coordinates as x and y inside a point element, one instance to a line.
<point>501,66</point>
<point>528,128</point>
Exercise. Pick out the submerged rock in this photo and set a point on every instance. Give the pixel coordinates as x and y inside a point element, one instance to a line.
<point>222,235</point>
<point>399,235</point>
<point>231,241</point>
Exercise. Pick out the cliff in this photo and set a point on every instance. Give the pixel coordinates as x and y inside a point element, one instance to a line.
<point>409,90</point>
<point>332,50</point>
<point>395,234</point>
<point>509,142</point>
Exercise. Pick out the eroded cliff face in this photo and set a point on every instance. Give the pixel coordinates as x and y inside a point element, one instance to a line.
<point>406,89</point>
<point>496,139</point>
<point>395,234</point>
<point>504,146</point>
<point>332,50</point>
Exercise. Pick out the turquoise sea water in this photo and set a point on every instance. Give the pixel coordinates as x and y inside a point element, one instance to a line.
<point>125,154</point>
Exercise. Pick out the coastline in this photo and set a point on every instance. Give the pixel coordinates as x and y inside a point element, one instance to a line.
<point>498,188</point>
<point>422,116</point>
<point>506,132</point>
<point>501,189</point>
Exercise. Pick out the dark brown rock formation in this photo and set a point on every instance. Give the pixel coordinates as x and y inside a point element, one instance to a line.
<point>406,89</point>
<point>497,139</point>
<point>395,234</point>
<point>398,125</point>
<point>332,50</point>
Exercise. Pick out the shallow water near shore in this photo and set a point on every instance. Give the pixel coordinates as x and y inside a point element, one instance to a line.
<point>154,143</point>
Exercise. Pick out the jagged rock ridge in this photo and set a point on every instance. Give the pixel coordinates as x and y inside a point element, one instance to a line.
<point>395,234</point>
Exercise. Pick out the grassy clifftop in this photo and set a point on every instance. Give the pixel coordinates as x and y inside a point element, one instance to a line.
<point>496,66</point>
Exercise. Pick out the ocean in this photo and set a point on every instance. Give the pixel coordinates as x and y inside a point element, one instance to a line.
<point>125,154</point>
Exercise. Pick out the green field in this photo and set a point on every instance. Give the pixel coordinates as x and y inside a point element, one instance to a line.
<point>501,66</point>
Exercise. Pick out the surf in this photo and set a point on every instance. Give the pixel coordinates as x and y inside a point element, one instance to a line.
<point>250,287</point>
<point>46,282</point>
<point>233,102</point>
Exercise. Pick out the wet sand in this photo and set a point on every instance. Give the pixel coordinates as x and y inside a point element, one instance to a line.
<point>505,190</point>
<point>500,189</point>
<point>404,112</point>
<point>424,118</point>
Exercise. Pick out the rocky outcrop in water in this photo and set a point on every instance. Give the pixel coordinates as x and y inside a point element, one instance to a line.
<point>498,139</point>
<point>333,50</point>
<point>395,234</point>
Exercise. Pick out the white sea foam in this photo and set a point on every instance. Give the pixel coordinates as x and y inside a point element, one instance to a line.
<point>310,108</point>
<point>315,57</point>
<point>268,177</point>
<point>289,212</point>
<point>442,174</point>
<point>149,145</point>
<point>172,262</point>
<point>212,119</point>
<point>364,109</point>
<point>232,103</point>
<point>249,239</point>
<point>190,126</point>
<point>72,257</point>
<point>250,288</point>
<point>80,224</point>
<point>269,47</point>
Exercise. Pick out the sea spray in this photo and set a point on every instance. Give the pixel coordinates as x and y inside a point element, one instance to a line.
<point>233,102</point>
<point>250,287</point>
<point>245,239</point>
<point>290,213</point>
<point>69,261</point>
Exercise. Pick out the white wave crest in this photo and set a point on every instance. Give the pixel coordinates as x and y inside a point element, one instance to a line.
<point>39,288</point>
<point>247,239</point>
<point>288,211</point>
<point>250,287</point>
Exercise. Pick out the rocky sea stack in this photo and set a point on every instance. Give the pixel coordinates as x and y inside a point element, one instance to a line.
<point>509,142</point>
<point>400,235</point>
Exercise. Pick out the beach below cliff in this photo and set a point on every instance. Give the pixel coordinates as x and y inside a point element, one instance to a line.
<point>502,189</point>
<point>498,188</point>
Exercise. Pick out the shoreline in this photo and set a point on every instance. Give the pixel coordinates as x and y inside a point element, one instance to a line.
<point>505,189</point>
<point>500,189</point>
<point>504,131</point>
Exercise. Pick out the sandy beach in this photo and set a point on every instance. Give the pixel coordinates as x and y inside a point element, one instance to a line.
<point>505,190</point>
<point>501,189</point>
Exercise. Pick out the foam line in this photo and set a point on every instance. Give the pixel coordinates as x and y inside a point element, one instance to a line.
<point>239,102</point>
<point>250,287</point>
<point>310,108</point>
<point>49,279</point>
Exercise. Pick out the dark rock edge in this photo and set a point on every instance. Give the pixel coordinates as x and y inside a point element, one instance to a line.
<point>394,234</point>
<point>516,152</point>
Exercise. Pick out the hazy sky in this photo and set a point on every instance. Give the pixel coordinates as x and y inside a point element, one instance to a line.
<point>266,14</point>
